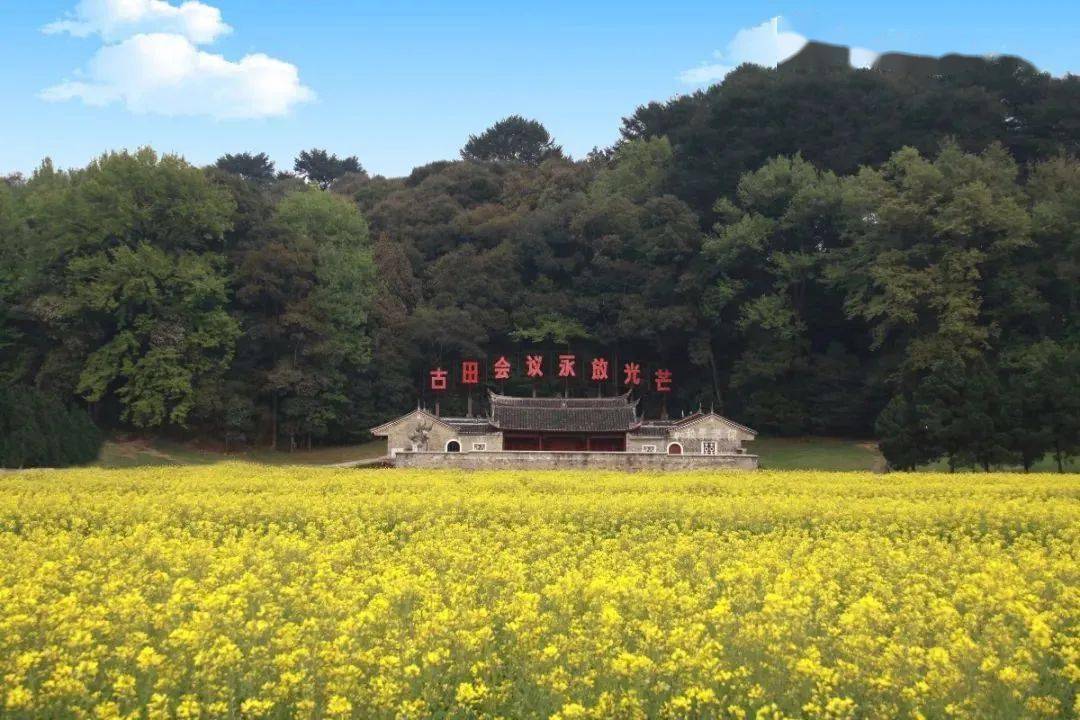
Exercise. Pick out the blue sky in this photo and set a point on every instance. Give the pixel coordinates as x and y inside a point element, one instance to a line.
<point>403,83</point>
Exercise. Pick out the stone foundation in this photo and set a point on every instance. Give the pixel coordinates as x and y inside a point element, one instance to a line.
<point>547,460</point>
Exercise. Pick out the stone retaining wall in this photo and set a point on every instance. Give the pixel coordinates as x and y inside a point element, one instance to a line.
<point>548,460</point>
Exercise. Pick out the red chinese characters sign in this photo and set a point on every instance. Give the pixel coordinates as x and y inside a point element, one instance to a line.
<point>631,375</point>
<point>470,372</point>
<point>566,366</point>
<point>501,368</point>
<point>534,366</point>
<point>599,370</point>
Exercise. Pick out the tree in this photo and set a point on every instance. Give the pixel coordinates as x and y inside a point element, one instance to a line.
<point>766,295</point>
<point>1052,262</point>
<point>969,415</point>
<point>317,283</point>
<point>38,430</point>
<point>167,329</point>
<point>554,329</point>
<point>137,303</point>
<point>512,140</point>
<point>928,241</point>
<point>905,439</point>
<point>955,409</point>
<point>1028,398</point>
<point>275,274</point>
<point>16,278</point>
<point>771,241</point>
<point>844,119</point>
<point>323,169</point>
<point>257,168</point>
<point>1043,401</point>
<point>1063,417</point>
<point>637,170</point>
<point>389,380</point>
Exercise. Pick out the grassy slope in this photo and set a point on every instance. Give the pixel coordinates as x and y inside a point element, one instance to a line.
<point>816,453</point>
<point>134,453</point>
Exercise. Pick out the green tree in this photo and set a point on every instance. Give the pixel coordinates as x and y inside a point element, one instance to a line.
<point>767,301</point>
<point>845,119</point>
<point>512,140</point>
<point>553,329</point>
<point>16,278</point>
<point>322,168</point>
<point>274,277</point>
<point>168,329</point>
<point>323,340</point>
<point>970,415</point>
<point>905,439</point>
<point>38,430</point>
<point>954,409</point>
<point>257,168</point>
<point>928,238</point>
<point>1042,401</point>
<point>767,239</point>
<point>1028,399</point>
<point>638,169</point>
<point>139,292</point>
<point>1052,262</point>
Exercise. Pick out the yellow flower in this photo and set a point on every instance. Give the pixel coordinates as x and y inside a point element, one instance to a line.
<point>256,708</point>
<point>471,693</point>
<point>571,711</point>
<point>338,706</point>
<point>149,658</point>
<point>107,711</point>
<point>195,592</point>
<point>188,708</point>
<point>18,698</point>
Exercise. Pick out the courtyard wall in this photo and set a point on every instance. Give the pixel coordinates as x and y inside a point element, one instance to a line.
<point>546,460</point>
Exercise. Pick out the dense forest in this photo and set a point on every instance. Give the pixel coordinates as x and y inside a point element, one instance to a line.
<point>843,253</point>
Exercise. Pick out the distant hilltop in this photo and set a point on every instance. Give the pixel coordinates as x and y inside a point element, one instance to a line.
<point>818,56</point>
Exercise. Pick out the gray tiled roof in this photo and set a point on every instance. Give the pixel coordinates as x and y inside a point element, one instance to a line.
<point>469,426</point>
<point>610,414</point>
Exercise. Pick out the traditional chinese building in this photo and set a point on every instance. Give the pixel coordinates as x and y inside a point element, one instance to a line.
<point>566,432</point>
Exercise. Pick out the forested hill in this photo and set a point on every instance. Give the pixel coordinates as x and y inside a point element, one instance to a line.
<point>835,252</point>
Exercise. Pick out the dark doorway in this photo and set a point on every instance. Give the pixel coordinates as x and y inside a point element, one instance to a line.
<point>453,446</point>
<point>565,443</point>
<point>521,442</point>
<point>674,449</point>
<point>608,444</point>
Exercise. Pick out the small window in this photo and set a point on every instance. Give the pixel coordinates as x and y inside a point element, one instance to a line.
<point>708,447</point>
<point>479,447</point>
<point>674,449</point>
<point>453,446</point>
<point>648,448</point>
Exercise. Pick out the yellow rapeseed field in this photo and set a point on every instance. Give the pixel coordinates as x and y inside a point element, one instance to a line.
<point>241,591</point>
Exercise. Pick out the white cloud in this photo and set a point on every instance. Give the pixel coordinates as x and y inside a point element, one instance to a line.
<point>166,74</point>
<point>151,64</point>
<point>116,20</point>
<point>765,44</point>
<point>862,58</point>
<point>705,74</point>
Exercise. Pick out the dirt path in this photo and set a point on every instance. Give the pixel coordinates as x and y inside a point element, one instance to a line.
<point>134,448</point>
<point>879,459</point>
